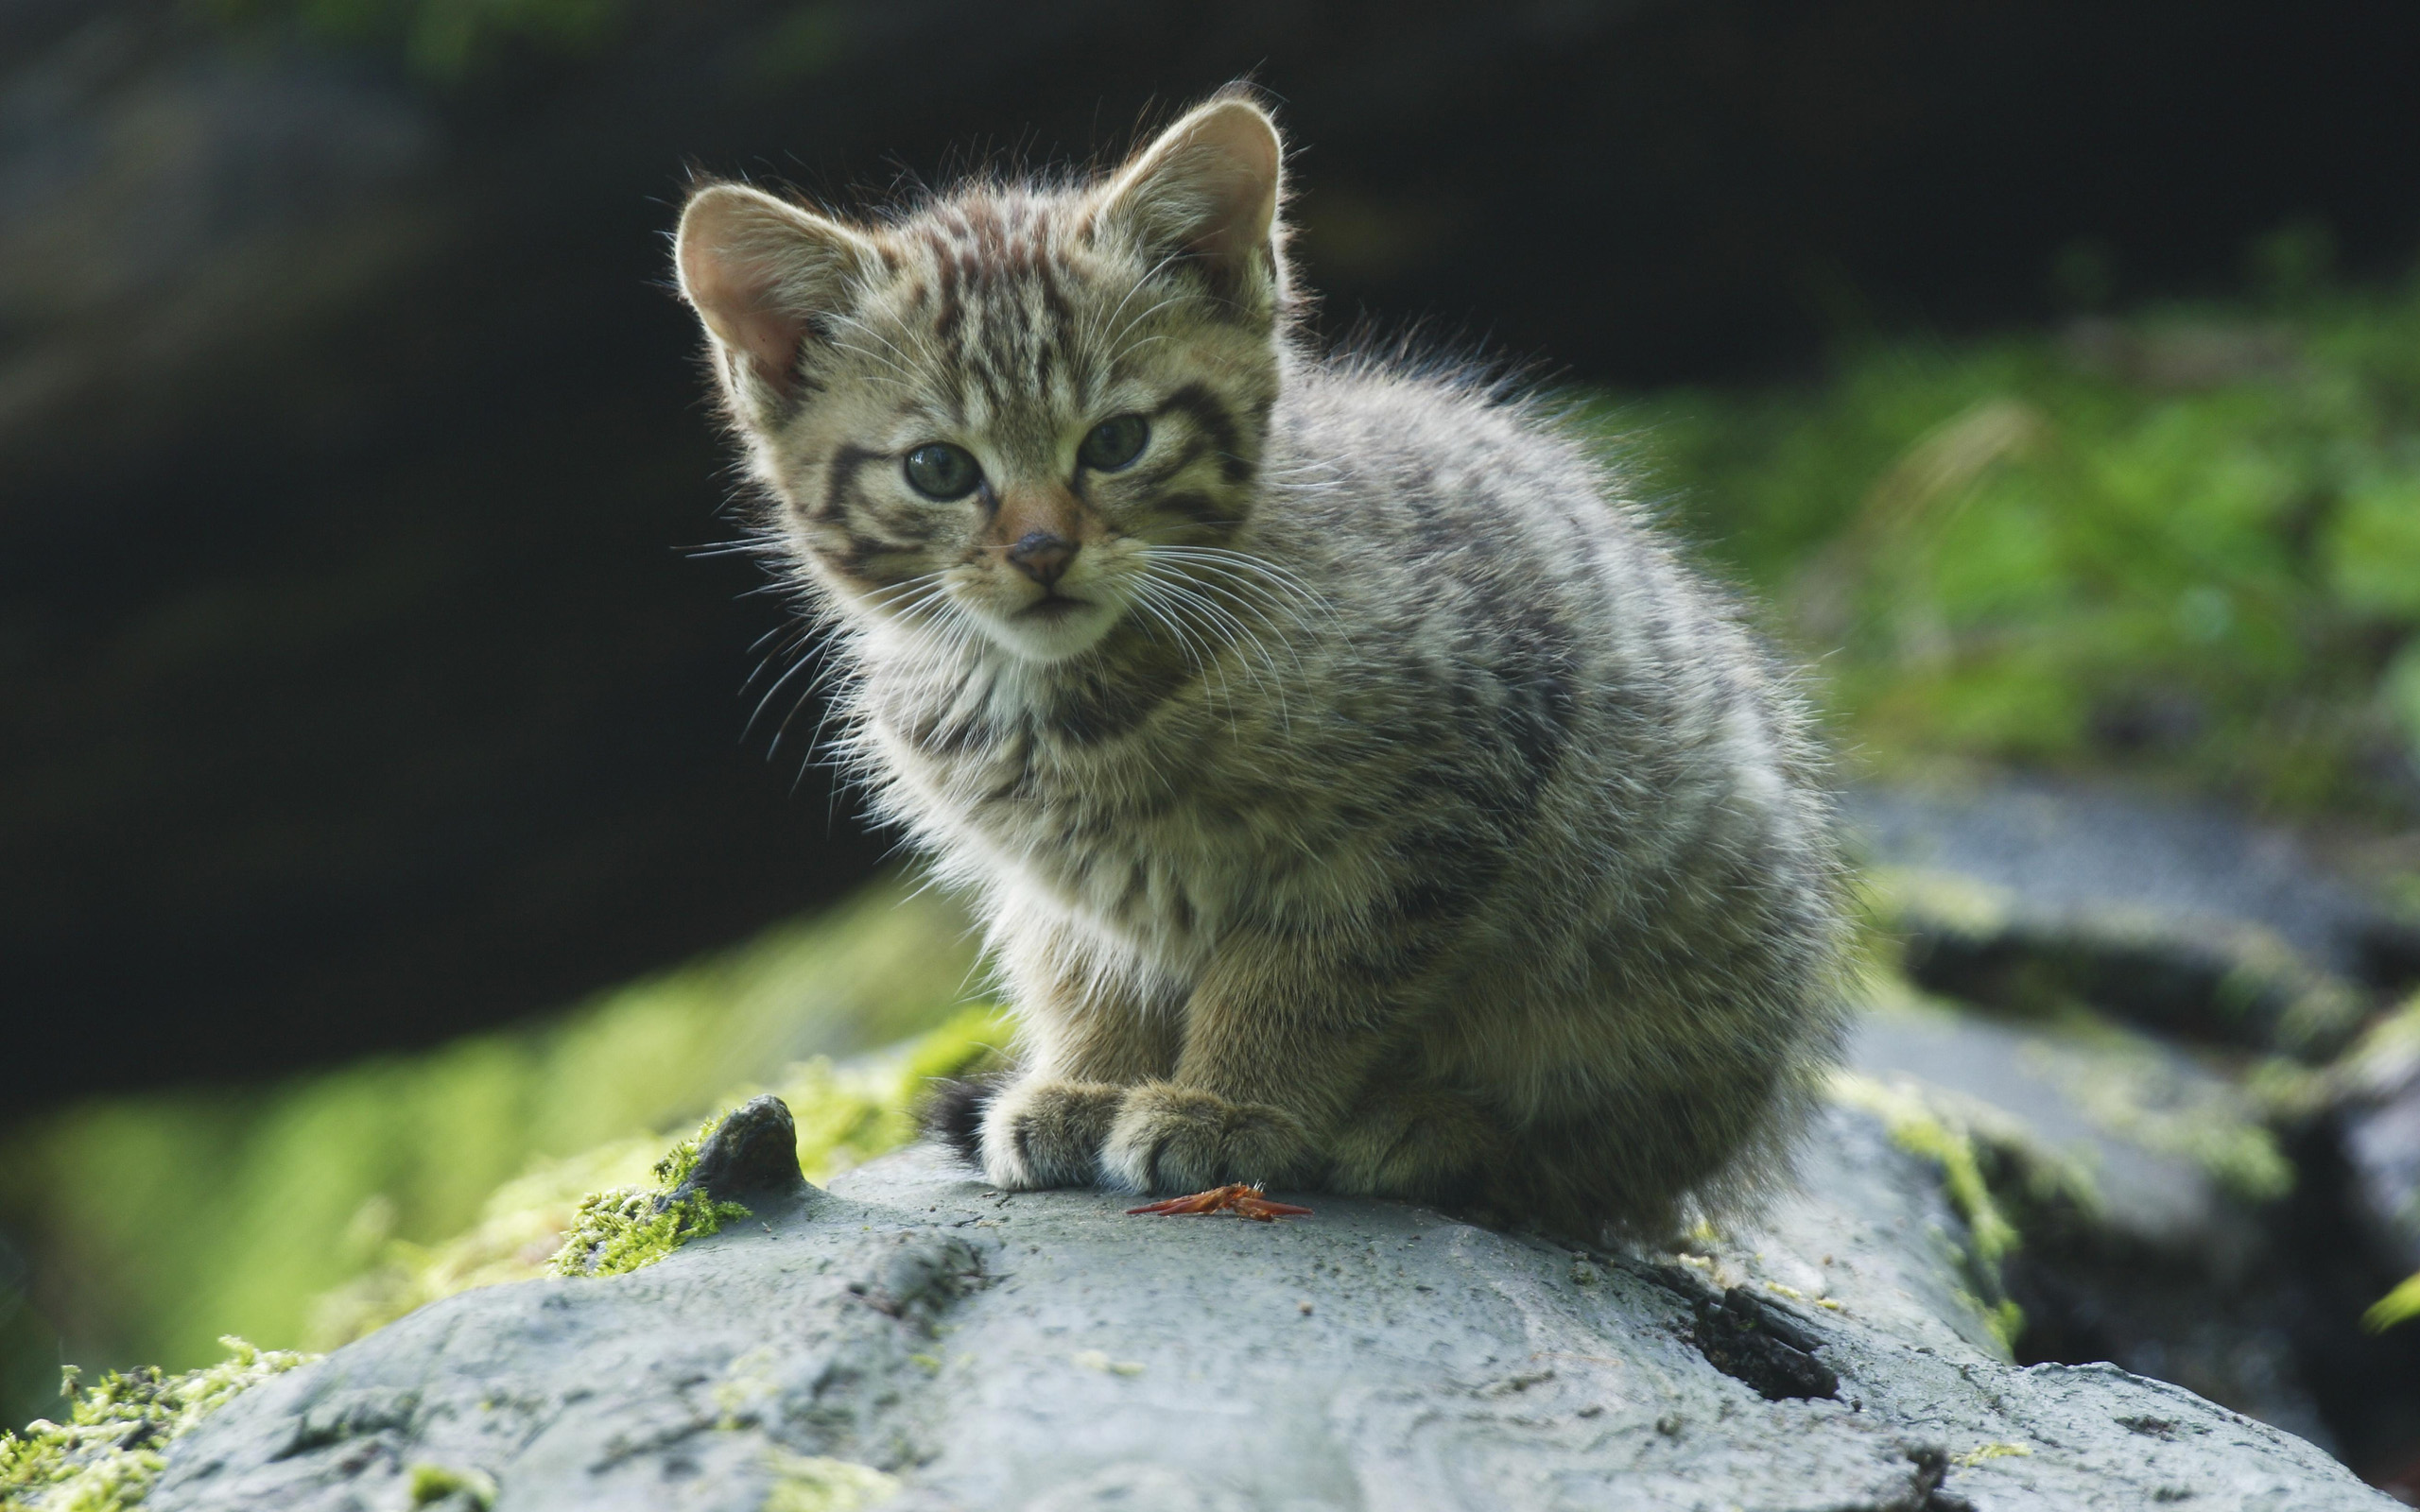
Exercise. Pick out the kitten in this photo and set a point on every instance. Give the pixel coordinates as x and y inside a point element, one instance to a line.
<point>1356,792</point>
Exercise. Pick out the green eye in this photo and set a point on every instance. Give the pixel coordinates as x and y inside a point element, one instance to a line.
<point>940,471</point>
<point>1114,442</point>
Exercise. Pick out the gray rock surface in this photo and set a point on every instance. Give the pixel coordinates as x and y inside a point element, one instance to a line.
<point>2019,894</point>
<point>913,1340</point>
<point>2071,851</point>
<point>2157,1246</point>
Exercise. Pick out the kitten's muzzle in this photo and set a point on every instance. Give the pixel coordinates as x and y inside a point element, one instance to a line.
<point>1042,556</point>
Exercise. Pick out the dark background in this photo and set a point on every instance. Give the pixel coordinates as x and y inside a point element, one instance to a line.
<point>357,688</point>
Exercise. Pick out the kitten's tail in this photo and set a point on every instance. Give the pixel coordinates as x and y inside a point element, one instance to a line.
<point>954,1115</point>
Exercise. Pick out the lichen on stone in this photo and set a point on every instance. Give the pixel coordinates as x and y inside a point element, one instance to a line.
<point>113,1445</point>
<point>1986,1160</point>
<point>1923,1126</point>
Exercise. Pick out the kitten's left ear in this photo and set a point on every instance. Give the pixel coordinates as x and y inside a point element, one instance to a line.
<point>759,270</point>
<point>1207,190</point>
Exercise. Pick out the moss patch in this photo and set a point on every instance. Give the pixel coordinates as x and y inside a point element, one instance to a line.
<point>2182,542</point>
<point>112,1447</point>
<point>2398,1306</point>
<point>435,1485</point>
<point>618,1231</point>
<point>601,1200</point>
<point>1991,1169</point>
<point>811,1483</point>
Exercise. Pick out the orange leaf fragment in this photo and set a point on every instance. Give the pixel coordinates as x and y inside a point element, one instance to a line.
<point>1241,1200</point>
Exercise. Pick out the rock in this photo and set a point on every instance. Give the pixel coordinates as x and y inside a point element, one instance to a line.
<point>2375,1114</point>
<point>913,1340</point>
<point>2020,894</point>
<point>2144,1192</point>
<point>2075,915</point>
<point>2068,849</point>
<point>752,1155</point>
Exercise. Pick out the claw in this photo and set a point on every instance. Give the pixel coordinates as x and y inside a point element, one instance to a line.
<point>1241,1200</point>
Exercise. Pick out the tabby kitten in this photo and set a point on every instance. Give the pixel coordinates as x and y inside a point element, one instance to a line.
<point>1356,790</point>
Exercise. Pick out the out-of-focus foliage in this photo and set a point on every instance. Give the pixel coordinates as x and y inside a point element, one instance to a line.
<point>444,39</point>
<point>178,1218</point>
<point>115,1442</point>
<point>2188,542</point>
<point>448,41</point>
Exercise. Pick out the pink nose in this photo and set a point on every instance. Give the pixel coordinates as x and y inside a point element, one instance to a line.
<point>1042,556</point>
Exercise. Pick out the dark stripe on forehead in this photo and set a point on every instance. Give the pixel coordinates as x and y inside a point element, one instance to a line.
<point>1054,299</point>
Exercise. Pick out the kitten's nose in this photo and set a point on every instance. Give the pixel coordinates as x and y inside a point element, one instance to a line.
<point>1042,556</point>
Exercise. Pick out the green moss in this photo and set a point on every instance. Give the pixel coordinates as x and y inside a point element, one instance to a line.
<point>474,1490</point>
<point>1995,1173</point>
<point>105,1456</point>
<point>604,1198</point>
<point>114,1443</point>
<point>2397,1306</point>
<point>804,1483</point>
<point>842,1116</point>
<point>622,1228</point>
<point>1923,1126</point>
<point>2182,543</point>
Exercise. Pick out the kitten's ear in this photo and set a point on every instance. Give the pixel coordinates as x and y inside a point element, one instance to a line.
<point>1208,189</point>
<point>758,270</point>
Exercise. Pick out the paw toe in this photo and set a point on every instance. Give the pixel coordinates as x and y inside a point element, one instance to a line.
<point>1176,1139</point>
<point>1046,1134</point>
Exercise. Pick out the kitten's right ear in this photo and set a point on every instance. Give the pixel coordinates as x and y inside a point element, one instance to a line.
<point>758,270</point>
<point>1208,188</point>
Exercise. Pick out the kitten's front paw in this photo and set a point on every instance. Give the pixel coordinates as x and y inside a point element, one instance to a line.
<point>1046,1133</point>
<point>1178,1138</point>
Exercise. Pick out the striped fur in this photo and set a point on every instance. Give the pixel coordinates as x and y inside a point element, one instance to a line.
<point>1389,811</point>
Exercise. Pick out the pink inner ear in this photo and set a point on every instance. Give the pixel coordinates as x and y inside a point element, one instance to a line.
<point>1239,223</point>
<point>1243,188</point>
<point>771,336</point>
<point>739,299</point>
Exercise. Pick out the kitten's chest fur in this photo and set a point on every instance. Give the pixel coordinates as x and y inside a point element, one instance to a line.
<point>1166,823</point>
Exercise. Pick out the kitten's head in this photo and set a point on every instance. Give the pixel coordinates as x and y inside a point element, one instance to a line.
<point>1016,406</point>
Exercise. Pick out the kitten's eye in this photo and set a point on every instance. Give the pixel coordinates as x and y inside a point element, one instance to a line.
<point>940,471</point>
<point>1114,442</point>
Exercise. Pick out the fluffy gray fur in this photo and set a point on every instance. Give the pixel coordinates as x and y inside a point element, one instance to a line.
<point>1357,791</point>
